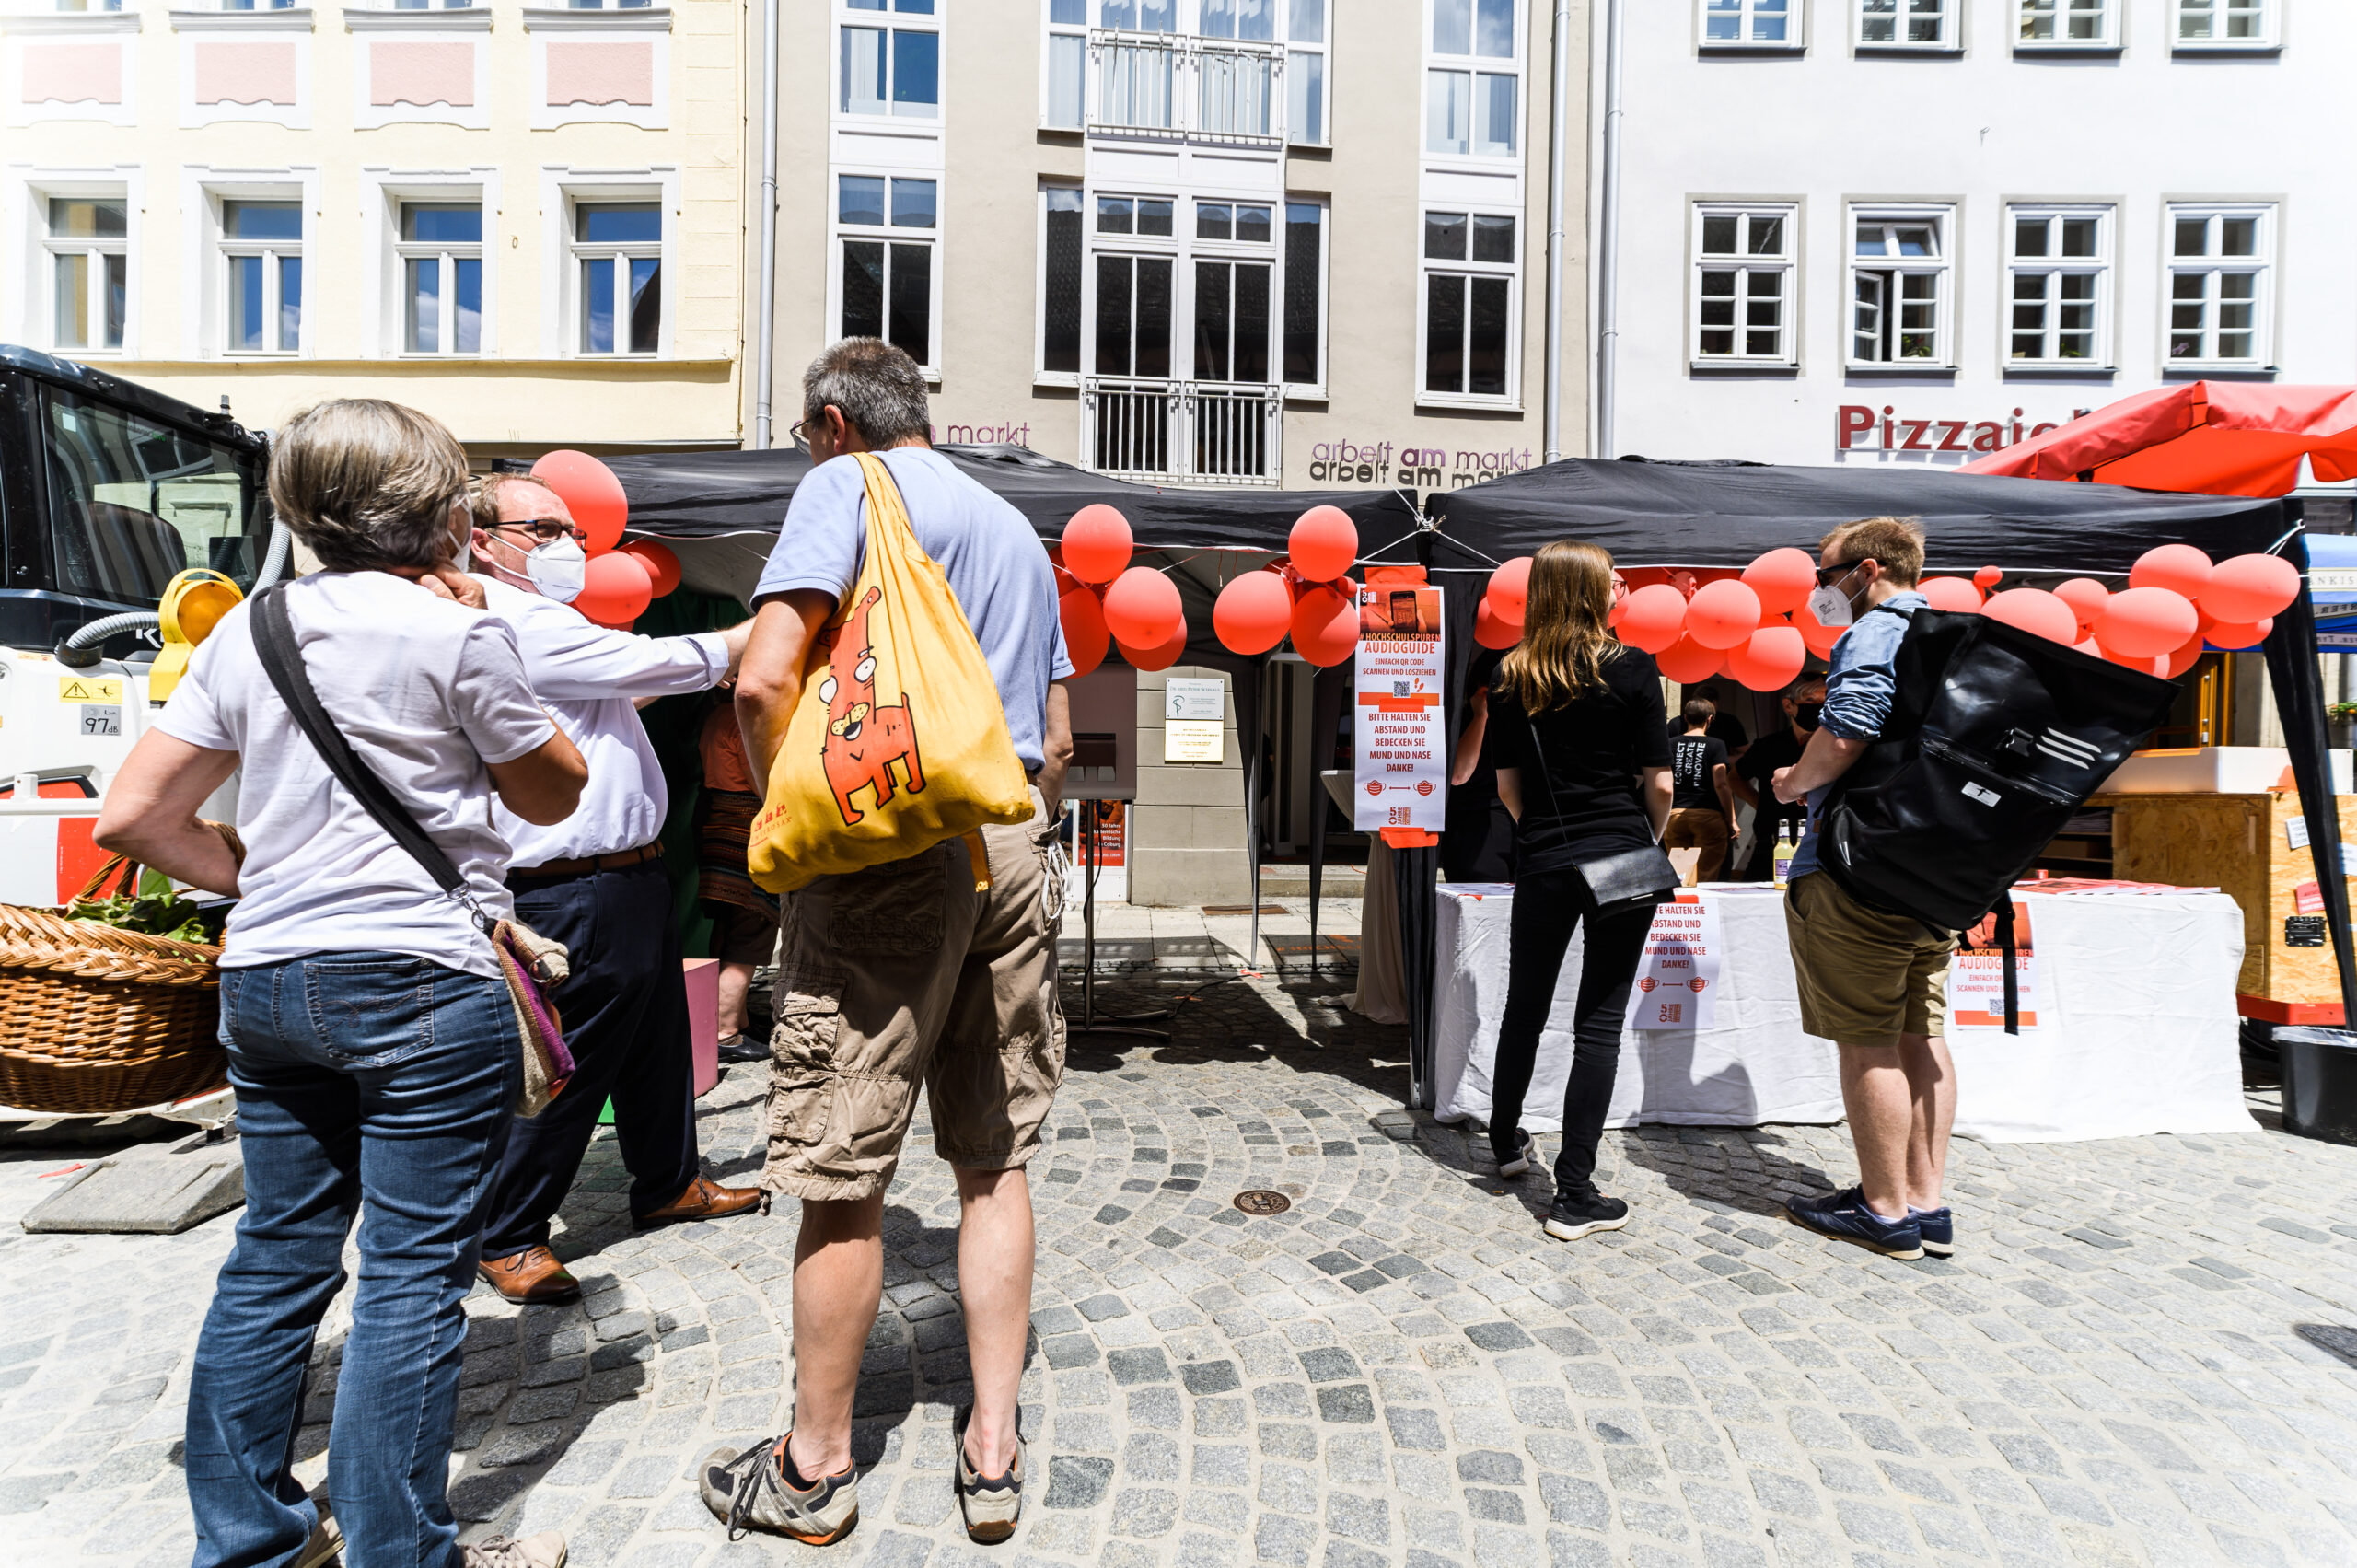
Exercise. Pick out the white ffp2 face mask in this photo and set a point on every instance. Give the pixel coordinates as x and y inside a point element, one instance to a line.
<point>557,569</point>
<point>1831,607</point>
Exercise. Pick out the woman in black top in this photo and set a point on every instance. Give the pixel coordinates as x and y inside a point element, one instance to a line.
<point>1583,756</point>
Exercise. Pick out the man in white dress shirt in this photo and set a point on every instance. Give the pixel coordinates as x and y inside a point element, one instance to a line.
<point>596,883</point>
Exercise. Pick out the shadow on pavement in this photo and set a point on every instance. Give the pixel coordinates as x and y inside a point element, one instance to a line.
<point>1216,1018</point>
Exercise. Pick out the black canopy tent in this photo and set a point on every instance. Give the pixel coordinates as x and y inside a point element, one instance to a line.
<point>1724,515</point>
<point>720,512</point>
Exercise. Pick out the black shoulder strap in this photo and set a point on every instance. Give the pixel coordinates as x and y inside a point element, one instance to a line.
<point>274,634</point>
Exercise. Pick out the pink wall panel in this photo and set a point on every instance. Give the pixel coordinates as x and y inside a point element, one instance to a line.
<point>73,73</point>
<point>602,72</point>
<point>245,73</point>
<point>422,74</point>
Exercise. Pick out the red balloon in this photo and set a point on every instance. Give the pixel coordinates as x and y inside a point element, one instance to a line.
<point>2249,588</point>
<point>1492,630</point>
<point>2180,568</point>
<point>1782,579</point>
<point>1252,613</point>
<point>1066,581</point>
<point>2225,635</point>
<point>1162,658</point>
<point>1509,591</point>
<point>1096,544</point>
<point>2145,623</point>
<point>2158,665</point>
<point>1325,626</point>
<point>1687,661</point>
<point>1772,660</point>
<point>2036,611</point>
<point>1085,638</point>
<point>1987,577</point>
<point>1142,608</point>
<point>2086,599</point>
<point>1324,542</point>
<point>2184,658</point>
<point>1652,618</point>
<point>1722,614</point>
<point>590,491</point>
<point>660,563</point>
<point>615,587</point>
<point>1819,637</point>
<point>1950,593</point>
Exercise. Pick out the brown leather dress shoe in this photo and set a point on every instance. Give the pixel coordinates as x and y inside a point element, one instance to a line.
<point>703,1199</point>
<point>531,1278</point>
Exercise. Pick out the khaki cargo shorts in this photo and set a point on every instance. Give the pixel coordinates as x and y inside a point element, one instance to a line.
<point>904,974</point>
<point>1865,976</point>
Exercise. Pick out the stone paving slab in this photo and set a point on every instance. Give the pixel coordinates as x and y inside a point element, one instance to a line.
<point>2144,1354</point>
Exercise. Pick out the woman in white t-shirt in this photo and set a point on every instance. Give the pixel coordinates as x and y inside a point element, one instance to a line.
<point>371,1041</point>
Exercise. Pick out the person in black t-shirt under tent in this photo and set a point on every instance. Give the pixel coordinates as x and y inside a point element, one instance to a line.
<point>1779,747</point>
<point>1701,806</point>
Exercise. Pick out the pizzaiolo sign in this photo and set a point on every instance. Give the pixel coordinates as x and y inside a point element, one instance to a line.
<point>1857,427</point>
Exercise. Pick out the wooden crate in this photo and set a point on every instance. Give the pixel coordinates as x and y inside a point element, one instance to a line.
<point>2237,843</point>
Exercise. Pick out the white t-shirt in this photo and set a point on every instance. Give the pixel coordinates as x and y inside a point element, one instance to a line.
<point>428,694</point>
<point>587,676</point>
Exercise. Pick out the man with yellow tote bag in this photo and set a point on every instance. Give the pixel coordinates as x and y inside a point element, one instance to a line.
<point>901,711</point>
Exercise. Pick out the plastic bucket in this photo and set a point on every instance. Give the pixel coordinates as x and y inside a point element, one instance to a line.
<point>2319,1083</point>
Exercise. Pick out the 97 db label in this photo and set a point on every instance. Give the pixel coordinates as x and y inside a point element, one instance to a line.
<point>101,718</point>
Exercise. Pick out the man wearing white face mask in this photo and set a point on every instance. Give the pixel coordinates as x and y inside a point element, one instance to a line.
<point>596,883</point>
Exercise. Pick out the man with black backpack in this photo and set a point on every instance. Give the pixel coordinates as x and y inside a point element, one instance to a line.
<point>1873,982</point>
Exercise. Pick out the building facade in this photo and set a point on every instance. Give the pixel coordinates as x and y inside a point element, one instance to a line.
<point>1203,241</point>
<point>1913,231</point>
<point>526,221</point>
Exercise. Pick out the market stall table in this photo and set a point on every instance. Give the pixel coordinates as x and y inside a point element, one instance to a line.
<point>2135,1027</point>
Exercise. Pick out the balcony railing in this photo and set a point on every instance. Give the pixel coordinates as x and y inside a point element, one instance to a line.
<point>1169,84</point>
<point>1192,432</point>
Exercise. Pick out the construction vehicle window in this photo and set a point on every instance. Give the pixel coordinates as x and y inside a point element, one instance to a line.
<point>132,502</point>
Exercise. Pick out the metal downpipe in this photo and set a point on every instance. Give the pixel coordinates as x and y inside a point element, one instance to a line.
<point>764,308</point>
<point>1558,138</point>
<point>1607,249</point>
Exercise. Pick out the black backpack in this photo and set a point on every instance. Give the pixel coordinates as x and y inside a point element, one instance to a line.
<point>1996,736</point>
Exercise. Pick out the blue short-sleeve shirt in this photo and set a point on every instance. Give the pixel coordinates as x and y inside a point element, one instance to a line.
<point>1858,692</point>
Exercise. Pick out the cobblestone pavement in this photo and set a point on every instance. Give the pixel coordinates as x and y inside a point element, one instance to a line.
<point>2143,1354</point>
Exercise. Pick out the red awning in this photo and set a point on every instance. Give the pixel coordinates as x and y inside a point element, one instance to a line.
<point>2208,438</point>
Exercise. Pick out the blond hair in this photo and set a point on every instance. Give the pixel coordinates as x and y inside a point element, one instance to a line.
<point>368,485</point>
<point>1894,543</point>
<point>1564,644</point>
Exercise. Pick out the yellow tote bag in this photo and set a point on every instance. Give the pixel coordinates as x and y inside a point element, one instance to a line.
<point>898,740</point>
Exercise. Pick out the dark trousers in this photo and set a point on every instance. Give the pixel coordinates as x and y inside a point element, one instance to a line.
<point>625,1011</point>
<point>1547,906</point>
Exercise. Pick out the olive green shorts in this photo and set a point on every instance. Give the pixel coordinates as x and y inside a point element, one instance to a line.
<point>905,974</point>
<point>1865,976</point>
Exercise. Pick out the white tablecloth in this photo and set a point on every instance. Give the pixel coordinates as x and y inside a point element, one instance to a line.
<point>2137,1031</point>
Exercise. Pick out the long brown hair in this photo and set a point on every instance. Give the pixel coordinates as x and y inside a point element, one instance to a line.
<point>1564,645</point>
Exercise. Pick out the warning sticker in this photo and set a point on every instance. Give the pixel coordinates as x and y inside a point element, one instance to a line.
<point>88,688</point>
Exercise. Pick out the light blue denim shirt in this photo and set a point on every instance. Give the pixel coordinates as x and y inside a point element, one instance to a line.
<point>1858,690</point>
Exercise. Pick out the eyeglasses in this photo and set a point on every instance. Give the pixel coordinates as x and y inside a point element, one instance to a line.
<point>1829,575</point>
<point>548,530</point>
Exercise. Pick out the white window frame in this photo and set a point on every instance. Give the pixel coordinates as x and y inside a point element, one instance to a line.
<point>1784,263</point>
<point>1903,13</point>
<point>1307,392</point>
<point>1171,247</point>
<point>2058,14</point>
<point>1428,267</point>
<point>1747,15</point>
<point>51,247</point>
<point>1473,66</point>
<point>2270,26</point>
<point>445,255</point>
<point>838,232</point>
<point>1192,247</point>
<point>1071,33</point>
<point>841,15</point>
<point>223,247</point>
<point>1298,50</point>
<point>1942,217</point>
<point>562,190</point>
<point>2101,266</point>
<point>2262,266</point>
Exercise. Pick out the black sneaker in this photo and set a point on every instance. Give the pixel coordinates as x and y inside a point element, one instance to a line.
<point>1575,1217</point>
<point>1844,1216</point>
<point>1521,1161</point>
<point>744,1048</point>
<point>1938,1228</point>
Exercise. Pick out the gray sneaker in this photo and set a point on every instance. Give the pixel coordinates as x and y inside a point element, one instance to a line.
<point>746,1489</point>
<point>992,1505</point>
<point>545,1550</point>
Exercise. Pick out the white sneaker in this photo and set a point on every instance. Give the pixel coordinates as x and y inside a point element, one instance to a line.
<point>545,1550</point>
<point>747,1489</point>
<point>992,1505</point>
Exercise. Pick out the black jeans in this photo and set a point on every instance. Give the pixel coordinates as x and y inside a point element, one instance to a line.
<point>625,1013</point>
<point>1547,906</point>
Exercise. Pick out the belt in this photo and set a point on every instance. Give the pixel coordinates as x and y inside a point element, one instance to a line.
<point>620,860</point>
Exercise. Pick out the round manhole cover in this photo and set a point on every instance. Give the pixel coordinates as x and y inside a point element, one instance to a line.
<point>1260,1201</point>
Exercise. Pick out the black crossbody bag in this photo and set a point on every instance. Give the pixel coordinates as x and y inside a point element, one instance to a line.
<point>1623,883</point>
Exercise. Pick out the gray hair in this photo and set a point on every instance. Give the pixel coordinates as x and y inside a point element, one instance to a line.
<point>367,484</point>
<point>1799,686</point>
<point>878,388</point>
<point>482,494</point>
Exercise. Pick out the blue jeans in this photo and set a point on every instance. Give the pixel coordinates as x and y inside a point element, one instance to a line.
<point>370,1084</point>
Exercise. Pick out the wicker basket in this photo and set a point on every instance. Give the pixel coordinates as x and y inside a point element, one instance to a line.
<point>96,1019</point>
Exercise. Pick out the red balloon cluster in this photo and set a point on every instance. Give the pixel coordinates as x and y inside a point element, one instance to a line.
<point>620,580</point>
<point>1104,601</point>
<point>1755,627</point>
<point>2176,603</point>
<point>1310,598</point>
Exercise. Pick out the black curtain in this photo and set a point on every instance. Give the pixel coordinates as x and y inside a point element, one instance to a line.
<point>2299,699</point>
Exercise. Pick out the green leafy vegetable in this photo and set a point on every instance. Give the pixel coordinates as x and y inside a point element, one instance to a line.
<point>153,909</point>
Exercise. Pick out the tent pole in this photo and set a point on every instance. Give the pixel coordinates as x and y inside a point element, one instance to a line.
<point>2299,699</point>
